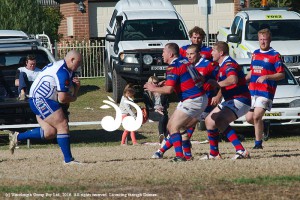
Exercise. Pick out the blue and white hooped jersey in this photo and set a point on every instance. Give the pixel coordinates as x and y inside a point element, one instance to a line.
<point>54,78</point>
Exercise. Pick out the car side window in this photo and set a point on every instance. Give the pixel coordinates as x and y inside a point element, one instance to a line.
<point>239,30</point>
<point>235,24</point>
<point>113,17</point>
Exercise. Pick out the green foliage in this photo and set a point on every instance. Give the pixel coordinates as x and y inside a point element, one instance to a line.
<point>30,17</point>
<point>274,3</point>
<point>52,23</point>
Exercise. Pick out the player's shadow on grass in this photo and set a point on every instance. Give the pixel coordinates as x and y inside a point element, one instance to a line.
<point>87,88</point>
<point>99,136</point>
<point>82,136</point>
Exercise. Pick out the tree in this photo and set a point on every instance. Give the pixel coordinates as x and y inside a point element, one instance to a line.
<point>271,3</point>
<point>294,4</point>
<point>30,17</point>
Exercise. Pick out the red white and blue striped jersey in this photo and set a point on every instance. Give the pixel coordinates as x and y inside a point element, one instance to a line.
<point>182,81</point>
<point>209,70</point>
<point>239,90</point>
<point>205,51</point>
<point>264,63</point>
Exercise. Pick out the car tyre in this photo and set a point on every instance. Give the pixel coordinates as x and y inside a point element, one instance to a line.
<point>108,81</point>
<point>118,86</point>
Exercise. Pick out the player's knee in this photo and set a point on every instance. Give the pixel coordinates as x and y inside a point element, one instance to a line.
<point>63,127</point>
<point>257,118</point>
<point>50,133</point>
<point>209,123</point>
<point>249,119</point>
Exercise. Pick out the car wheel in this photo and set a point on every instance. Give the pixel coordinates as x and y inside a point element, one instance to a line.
<point>118,86</point>
<point>108,82</point>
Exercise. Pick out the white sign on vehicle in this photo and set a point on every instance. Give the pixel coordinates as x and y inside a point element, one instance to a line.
<point>159,67</point>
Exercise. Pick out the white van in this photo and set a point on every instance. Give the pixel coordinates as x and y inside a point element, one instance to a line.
<point>136,35</point>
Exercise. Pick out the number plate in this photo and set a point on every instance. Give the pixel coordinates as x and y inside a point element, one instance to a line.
<point>293,69</point>
<point>272,114</point>
<point>159,67</point>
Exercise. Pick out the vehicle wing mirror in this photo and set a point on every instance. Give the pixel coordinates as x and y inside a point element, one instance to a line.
<point>233,38</point>
<point>110,37</point>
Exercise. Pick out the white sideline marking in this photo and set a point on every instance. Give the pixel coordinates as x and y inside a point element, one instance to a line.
<point>37,125</point>
<point>99,122</point>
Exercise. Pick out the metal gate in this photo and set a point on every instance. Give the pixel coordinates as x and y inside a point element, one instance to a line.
<point>92,52</point>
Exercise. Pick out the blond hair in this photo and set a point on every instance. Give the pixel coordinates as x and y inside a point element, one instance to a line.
<point>152,78</point>
<point>265,31</point>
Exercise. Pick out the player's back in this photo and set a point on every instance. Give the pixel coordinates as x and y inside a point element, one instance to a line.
<point>238,90</point>
<point>181,79</point>
<point>51,79</point>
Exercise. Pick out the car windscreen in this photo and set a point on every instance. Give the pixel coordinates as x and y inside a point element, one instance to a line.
<point>280,29</point>
<point>17,59</point>
<point>288,80</point>
<point>153,29</point>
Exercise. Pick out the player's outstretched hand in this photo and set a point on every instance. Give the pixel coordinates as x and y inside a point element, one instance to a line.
<point>149,86</point>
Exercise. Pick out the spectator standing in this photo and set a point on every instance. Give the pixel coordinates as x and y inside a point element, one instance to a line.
<point>25,76</point>
<point>231,80</point>
<point>266,68</point>
<point>157,108</point>
<point>50,88</point>
<point>128,94</point>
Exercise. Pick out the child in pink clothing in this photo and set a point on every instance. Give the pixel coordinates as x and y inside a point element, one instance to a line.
<point>126,109</point>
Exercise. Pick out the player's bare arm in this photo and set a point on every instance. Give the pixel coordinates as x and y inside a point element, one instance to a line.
<point>66,97</point>
<point>216,99</point>
<point>248,76</point>
<point>274,77</point>
<point>162,90</point>
<point>230,80</point>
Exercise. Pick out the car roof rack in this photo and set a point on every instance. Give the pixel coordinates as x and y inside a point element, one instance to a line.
<point>20,41</point>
